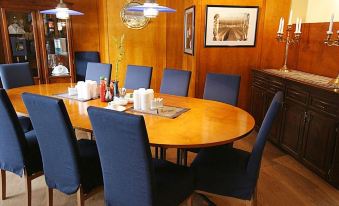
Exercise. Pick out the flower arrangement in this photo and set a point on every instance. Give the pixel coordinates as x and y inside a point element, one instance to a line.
<point>121,53</point>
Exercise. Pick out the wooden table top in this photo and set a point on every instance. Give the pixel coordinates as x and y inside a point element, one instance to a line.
<point>206,124</point>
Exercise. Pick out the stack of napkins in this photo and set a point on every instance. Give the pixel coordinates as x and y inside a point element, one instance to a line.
<point>87,90</point>
<point>142,99</point>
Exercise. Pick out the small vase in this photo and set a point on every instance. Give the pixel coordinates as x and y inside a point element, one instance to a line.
<point>116,88</point>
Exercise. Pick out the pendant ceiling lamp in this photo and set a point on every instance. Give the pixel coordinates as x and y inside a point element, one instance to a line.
<point>62,11</point>
<point>151,9</point>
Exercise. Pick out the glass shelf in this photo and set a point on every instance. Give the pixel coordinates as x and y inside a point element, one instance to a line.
<point>21,37</point>
<point>56,46</point>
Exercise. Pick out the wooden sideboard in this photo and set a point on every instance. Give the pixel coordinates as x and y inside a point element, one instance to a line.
<point>307,126</point>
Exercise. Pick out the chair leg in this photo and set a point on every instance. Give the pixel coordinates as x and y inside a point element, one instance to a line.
<point>163,153</point>
<point>253,201</point>
<point>156,151</point>
<point>28,184</point>
<point>189,201</point>
<point>50,196</point>
<point>3,184</point>
<point>80,197</point>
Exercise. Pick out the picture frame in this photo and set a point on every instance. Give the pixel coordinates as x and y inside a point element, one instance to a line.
<point>189,30</point>
<point>231,26</point>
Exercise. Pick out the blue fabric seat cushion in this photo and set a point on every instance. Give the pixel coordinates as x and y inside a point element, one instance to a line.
<point>33,158</point>
<point>174,183</point>
<point>223,171</point>
<point>89,163</point>
<point>25,123</point>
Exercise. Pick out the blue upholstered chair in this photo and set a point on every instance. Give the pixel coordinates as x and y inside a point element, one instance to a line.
<point>175,82</point>
<point>223,88</point>
<point>234,172</point>
<point>138,77</point>
<point>19,151</point>
<point>131,177</point>
<point>96,70</point>
<point>69,165</point>
<point>81,60</point>
<point>17,75</point>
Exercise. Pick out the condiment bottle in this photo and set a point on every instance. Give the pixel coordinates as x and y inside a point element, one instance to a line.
<point>102,89</point>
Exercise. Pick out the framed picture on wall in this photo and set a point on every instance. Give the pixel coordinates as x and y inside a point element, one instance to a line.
<point>189,30</point>
<point>231,26</point>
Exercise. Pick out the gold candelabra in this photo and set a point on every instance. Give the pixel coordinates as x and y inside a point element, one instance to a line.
<point>329,41</point>
<point>288,40</point>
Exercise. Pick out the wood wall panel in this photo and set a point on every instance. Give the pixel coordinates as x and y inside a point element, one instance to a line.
<point>272,52</point>
<point>143,47</point>
<point>228,60</point>
<point>175,56</point>
<point>86,27</point>
<point>314,56</point>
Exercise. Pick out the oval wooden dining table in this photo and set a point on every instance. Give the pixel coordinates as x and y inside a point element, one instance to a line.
<point>205,124</point>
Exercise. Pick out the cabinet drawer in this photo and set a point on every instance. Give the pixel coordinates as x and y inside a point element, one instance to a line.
<point>325,106</point>
<point>259,81</point>
<point>275,85</point>
<point>296,94</point>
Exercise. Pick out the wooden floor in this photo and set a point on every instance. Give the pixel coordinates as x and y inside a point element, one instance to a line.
<point>283,181</point>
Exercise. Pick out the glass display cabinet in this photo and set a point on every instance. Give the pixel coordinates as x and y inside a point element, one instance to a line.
<point>57,49</point>
<point>42,40</point>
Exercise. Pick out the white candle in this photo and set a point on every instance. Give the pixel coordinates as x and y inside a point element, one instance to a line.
<point>300,22</point>
<point>297,26</point>
<point>290,19</point>
<point>280,25</point>
<point>330,28</point>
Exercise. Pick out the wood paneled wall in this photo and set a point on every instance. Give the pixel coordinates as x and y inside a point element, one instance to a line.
<point>313,55</point>
<point>226,60</point>
<point>143,47</point>
<point>86,28</point>
<point>160,44</point>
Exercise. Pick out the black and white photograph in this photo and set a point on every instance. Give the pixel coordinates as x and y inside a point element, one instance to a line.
<point>230,26</point>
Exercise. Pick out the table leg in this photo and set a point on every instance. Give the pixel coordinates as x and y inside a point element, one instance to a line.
<point>205,198</point>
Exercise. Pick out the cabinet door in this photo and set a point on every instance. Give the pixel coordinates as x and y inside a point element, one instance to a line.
<point>56,49</point>
<point>274,135</point>
<point>318,141</point>
<point>334,171</point>
<point>20,39</point>
<point>257,105</point>
<point>293,124</point>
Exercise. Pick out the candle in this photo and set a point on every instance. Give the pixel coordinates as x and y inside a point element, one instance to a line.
<point>290,19</point>
<point>297,26</point>
<point>282,26</point>
<point>300,21</point>
<point>279,30</point>
<point>330,28</point>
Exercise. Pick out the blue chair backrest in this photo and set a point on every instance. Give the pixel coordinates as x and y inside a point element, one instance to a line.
<point>81,60</point>
<point>125,157</point>
<point>138,77</point>
<point>57,141</point>
<point>223,88</point>
<point>15,75</point>
<point>253,165</point>
<point>175,82</point>
<point>96,70</point>
<point>13,144</point>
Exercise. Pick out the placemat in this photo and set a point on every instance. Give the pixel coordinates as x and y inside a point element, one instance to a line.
<point>73,97</point>
<point>167,111</point>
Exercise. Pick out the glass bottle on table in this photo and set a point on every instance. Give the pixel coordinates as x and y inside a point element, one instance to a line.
<point>102,89</point>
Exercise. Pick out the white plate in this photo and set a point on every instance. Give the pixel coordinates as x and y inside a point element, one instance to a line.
<point>116,108</point>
